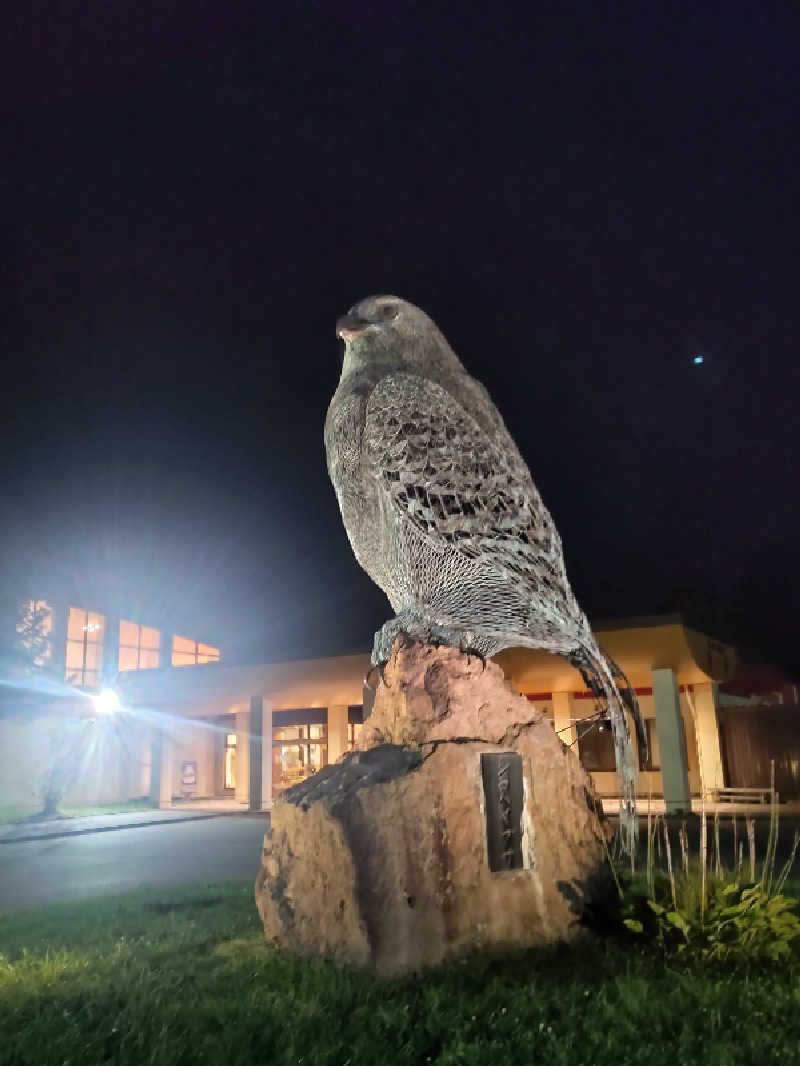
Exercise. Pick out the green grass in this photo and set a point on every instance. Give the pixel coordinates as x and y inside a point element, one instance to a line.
<point>182,976</point>
<point>131,806</point>
<point>10,815</point>
<point>15,814</point>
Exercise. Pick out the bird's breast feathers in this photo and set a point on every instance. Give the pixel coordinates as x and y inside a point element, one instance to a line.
<point>457,482</point>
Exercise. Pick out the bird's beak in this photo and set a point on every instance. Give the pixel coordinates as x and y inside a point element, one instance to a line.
<point>350,325</point>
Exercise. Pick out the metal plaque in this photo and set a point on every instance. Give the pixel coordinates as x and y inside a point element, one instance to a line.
<point>502,792</point>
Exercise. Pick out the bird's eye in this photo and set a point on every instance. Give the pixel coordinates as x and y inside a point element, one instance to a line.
<point>388,311</point>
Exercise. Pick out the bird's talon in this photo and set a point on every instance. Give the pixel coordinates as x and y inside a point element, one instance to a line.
<point>474,651</point>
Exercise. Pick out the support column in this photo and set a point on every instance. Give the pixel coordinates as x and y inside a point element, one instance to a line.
<point>256,752</point>
<point>155,769</point>
<point>564,718</point>
<point>706,730</point>
<point>266,755</point>
<point>145,779</point>
<point>243,757</point>
<point>166,774</point>
<point>671,741</point>
<point>337,732</point>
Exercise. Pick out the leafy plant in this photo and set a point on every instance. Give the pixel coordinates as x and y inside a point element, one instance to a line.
<point>749,922</point>
<point>740,921</point>
<point>704,911</point>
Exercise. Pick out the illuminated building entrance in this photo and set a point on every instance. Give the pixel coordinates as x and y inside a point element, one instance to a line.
<point>299,745</point>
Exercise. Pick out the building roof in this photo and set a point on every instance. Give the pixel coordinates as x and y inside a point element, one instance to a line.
<point>216,688</point>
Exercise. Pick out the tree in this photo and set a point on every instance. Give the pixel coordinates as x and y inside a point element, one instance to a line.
<point>34,626</point>
<point>32,694</point>
<point>61,766</point>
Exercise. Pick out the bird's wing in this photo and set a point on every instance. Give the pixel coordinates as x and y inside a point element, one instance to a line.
<point>457,485</point>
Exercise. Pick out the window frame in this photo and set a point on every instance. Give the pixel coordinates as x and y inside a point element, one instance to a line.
<point>138,647</point>
<point>75,676</point>
<point>209,656</point>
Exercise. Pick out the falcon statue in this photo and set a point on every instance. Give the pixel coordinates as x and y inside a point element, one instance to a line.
<point>442,513</point>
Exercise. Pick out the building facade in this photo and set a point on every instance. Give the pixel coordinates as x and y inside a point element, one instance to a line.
<point>192,727</point>
<point>88,647</point>
<point>279,722</point>
<point>55,729</point>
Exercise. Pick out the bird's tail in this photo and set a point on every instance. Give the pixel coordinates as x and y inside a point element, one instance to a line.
<point>610,686</point>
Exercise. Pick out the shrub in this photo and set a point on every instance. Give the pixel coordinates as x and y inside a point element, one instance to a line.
<point>740,922</point>
<point>704,911</point>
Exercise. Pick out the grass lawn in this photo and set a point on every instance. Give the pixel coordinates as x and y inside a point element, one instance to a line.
<point>9,815</point>
<point>182,975</point>
<point>110,808</point>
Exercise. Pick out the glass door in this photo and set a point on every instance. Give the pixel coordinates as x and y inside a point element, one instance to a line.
<point>297,752</point>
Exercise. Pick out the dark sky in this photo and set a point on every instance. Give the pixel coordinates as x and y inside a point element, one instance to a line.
<point>584,197</point>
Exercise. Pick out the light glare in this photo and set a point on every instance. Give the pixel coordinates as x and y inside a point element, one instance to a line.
<point>106,702</point>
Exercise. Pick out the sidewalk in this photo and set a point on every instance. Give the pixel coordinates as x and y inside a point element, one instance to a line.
<point>656,805</point>
<point>196,810</point>
<point>108,823</point>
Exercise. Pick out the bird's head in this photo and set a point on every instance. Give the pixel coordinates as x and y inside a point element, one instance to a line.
<point>385,330</point>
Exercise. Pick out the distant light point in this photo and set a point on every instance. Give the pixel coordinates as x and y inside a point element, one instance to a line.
<point>698,359</point>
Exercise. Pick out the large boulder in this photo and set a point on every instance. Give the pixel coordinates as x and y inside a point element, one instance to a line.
<point>424,846</point>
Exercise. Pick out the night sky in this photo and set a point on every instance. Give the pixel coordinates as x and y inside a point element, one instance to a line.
<point>583,196</point>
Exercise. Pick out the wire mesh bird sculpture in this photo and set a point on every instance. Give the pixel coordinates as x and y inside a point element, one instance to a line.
<point>442,513</point>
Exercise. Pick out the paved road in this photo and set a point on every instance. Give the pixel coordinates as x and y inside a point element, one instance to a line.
<point>77,866</point>
<point>73,867</point>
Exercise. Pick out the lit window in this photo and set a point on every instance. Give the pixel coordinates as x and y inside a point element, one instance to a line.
<point>596,744</point>
<point>187,652</point>
<point>84,658</point>
<point>230,761</point>
<point>353,733</point>
<point>355,723</point>
<point>138,646</point>
<point>34,628</point>
<point>289,732</point>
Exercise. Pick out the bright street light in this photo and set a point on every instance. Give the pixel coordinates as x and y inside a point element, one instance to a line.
<point>106,701</point>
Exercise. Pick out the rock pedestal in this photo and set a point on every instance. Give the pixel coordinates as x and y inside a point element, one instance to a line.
<point>464,823</point>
